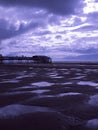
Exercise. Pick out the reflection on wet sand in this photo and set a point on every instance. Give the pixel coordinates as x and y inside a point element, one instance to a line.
<point>94,100</point>
<point>71,91</point>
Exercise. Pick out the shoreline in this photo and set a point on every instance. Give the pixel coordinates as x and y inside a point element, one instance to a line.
<point>54,65</point>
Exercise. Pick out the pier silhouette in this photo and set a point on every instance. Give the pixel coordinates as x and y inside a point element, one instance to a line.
<point>34,59</point>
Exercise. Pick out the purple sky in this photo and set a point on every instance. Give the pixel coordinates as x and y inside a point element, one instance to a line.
<point>61,29</point>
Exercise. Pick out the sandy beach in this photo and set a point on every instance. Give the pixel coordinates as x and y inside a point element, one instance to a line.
<point>68,89</point>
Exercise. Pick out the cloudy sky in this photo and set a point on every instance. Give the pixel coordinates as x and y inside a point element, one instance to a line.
<point>61,29</point>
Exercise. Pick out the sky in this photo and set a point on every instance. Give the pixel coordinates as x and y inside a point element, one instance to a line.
<point>65,30</point>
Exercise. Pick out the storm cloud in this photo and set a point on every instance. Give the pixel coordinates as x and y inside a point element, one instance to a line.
<point>8,30</point>
<point>55,6</point>
<point>61,29</point>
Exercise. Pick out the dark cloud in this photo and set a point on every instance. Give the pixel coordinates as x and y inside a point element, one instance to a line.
<point>54,20</point>
<point>58,37</point>
<point>8,30</point>
<point>55,6</point>
<point>41,33</point>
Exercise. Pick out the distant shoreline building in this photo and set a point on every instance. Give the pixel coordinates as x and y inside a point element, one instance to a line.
<point>23,59</point>
<point>41,59</point>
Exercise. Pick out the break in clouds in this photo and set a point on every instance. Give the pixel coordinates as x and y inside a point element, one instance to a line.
<point>61,29</point>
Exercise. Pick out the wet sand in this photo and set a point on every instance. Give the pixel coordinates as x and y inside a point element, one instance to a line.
<point>71,89</point>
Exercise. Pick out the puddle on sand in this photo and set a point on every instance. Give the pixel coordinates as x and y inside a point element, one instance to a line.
<point>42,84</point>
<point>92,124</point>
<point>58,77</point>
<point>78,77</point>
<point>40,91</point>
<point>87,83</point>
<point>66,83</point>
<point>1,75</point>
<point>21,88</point>
<point>93,100</point>
<point>59,95</point>
<point>63,69</point>
<point>17,110</point>
<point>79,74</point>
<point>67,94</point>
<point>24,76</point>
<point>24,92</point>
<point>66,73</point>
<point>52,75</point>
<point>10,81</point>
<point>15,93</point>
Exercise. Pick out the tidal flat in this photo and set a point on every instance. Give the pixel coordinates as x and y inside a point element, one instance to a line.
<point>49,96</point>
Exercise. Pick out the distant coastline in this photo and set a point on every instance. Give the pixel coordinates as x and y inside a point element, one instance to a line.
<point>53,65</point>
